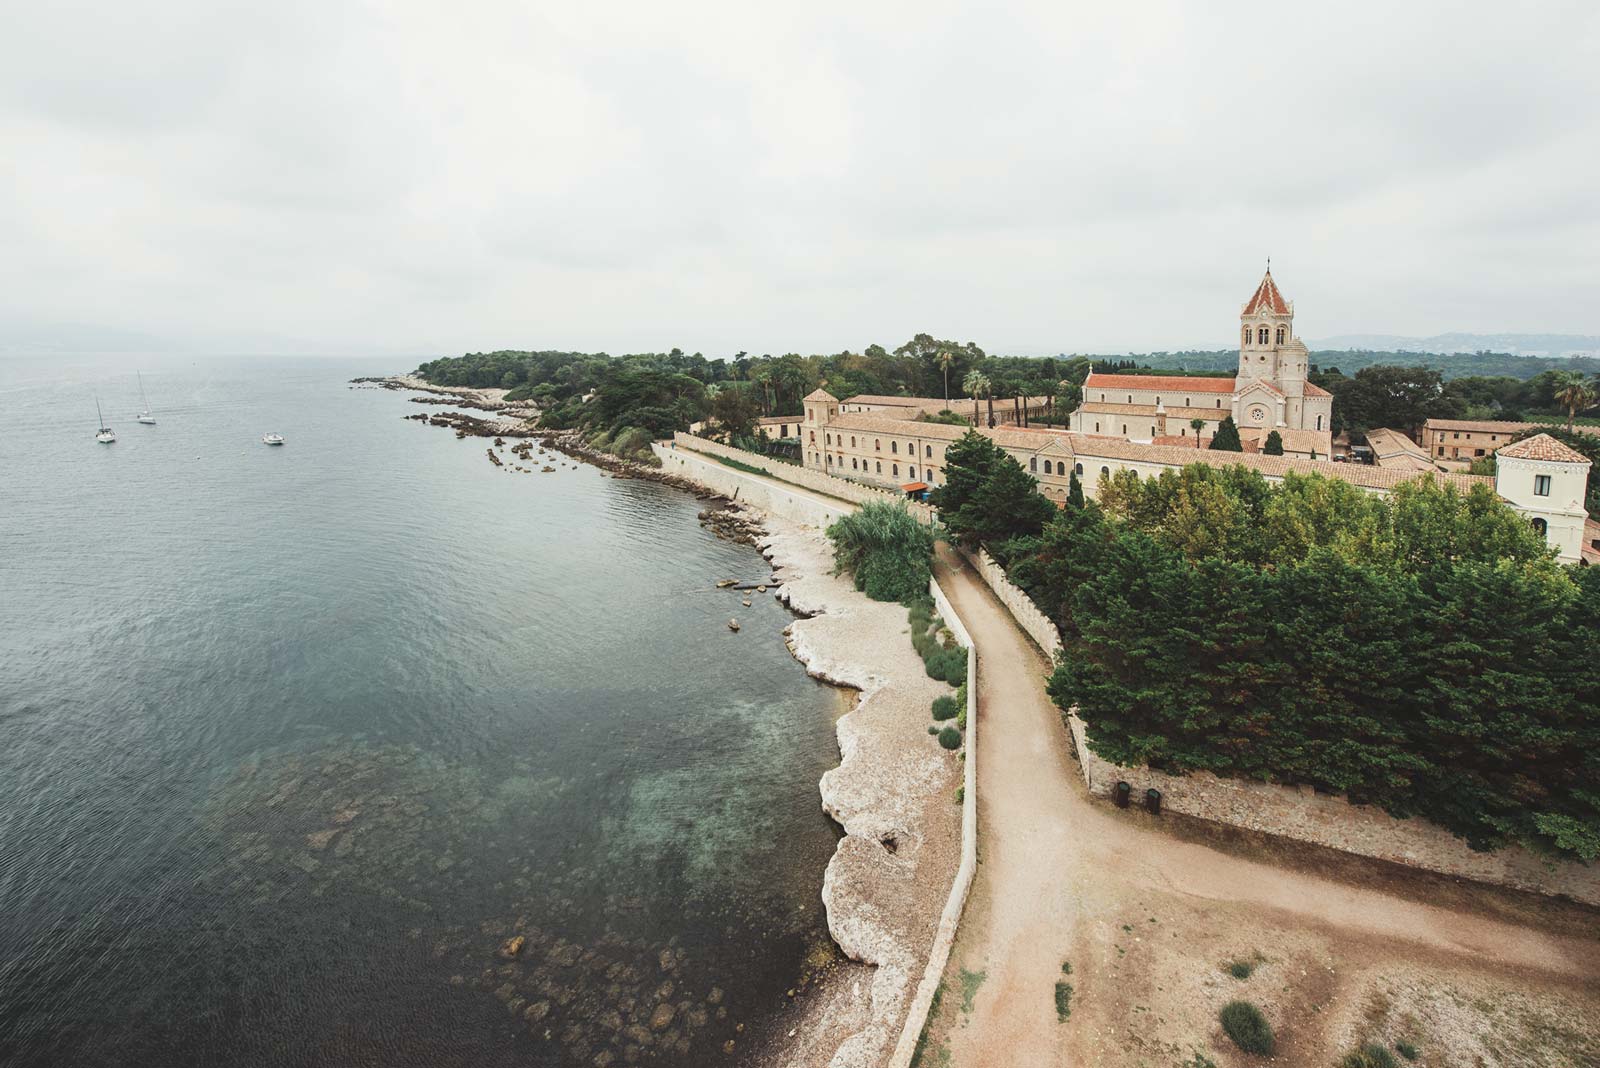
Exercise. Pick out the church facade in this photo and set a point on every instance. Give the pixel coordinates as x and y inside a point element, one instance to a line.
<point>1268,393</point>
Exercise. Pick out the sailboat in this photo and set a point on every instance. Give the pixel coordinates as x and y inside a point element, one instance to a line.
<point>105,435</point>
<point>145,417</point>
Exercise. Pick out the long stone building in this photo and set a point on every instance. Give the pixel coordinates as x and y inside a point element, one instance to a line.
<point>1269,392</point>
<point>1540,477</point>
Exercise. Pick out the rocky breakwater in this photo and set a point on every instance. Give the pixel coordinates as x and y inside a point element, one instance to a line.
<point>893,793</point>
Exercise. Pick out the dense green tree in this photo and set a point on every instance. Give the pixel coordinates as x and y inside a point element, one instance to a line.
<point>735,410</point>
<point>1273,446</point>
<point>886,550</point>
<point>987,498</point>
<point>1226,439</point>
<point>1421,652</point>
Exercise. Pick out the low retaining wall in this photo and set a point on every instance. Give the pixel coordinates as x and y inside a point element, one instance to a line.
<point>1300,813</point>
<point>1329,820</point>
<point>766,494</point>
<point>949,920</point>
<point>820,481</point>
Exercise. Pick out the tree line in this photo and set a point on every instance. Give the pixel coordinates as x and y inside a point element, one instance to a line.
<point>1422,652</point>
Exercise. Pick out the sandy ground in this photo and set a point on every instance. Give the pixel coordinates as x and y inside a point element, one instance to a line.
<point>893,793</point>
<point>1146,915</point>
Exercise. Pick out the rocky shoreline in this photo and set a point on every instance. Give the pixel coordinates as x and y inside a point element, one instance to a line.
<point>892,792</point>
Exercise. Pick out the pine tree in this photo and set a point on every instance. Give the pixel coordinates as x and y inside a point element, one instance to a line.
<point>1226,438</point>
<point>1075,491</point>
<point>1273,445</point>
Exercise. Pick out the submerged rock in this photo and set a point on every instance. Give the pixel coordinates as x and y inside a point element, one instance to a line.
<point>661,1019</point>
<point>512,946</point>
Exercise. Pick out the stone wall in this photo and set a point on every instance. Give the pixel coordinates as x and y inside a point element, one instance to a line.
<point>1034,623</point>
<point>1329,820</point>
<point>1299,812</point>
<point>771,497</point>
<point>818,481</point>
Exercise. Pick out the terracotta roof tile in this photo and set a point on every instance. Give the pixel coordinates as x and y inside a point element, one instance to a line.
<point>1161,382</point>
<point>1266,296</point>
<point>1314,390</point>
<point>1542,447</point>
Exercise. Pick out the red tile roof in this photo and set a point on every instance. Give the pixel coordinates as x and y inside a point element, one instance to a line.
<point>1543,447</point>
<point>1267,296</point>
<point>1161,382</point>
<point>1314,390</point>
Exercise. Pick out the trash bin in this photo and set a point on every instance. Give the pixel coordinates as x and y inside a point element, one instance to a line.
<point>1121,794</point>
<point>1152,801</point>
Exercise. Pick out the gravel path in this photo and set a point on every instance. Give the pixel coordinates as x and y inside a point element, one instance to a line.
<point>1146,918</point>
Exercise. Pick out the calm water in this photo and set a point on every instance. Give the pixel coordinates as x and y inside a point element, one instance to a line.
<point>293,739</point>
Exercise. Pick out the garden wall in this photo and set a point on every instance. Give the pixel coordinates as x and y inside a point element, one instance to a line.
<point>1329,820</point>
<point>1299,812</point>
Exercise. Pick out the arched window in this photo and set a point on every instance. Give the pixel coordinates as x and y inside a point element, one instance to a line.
<point>930,450</point>
<point>1130,398</point>
<point>1247,335</point>
<point>852,441</point>
<point>1541,526</point>
<point>1105,472</point>
<point>813,437</point>
<point>1033,463</point>
<point>1280,335</point>
<point>827,439</point>
<point>880,467</point>
<point>876,444</point>
<point>896,470</point>
<point>830,461</point>
<point>894,446</point>
<point>913,472</point>
<point>1261,335</point>
<point>1097,428</point>
<point>1077,469</point>
<point>852,463</point>
<point>1319,422</point>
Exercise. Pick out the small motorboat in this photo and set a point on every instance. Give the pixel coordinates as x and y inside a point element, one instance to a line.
<point>272,439</point>
<point>105,435</point>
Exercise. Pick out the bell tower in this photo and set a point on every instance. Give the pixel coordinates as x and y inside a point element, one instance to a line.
<point>1266,326</point>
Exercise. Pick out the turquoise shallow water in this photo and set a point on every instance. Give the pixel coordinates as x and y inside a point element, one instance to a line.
<point>292,739</point>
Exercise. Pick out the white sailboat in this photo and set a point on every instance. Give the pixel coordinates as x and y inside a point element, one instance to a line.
<point>272,439</point>
<point>145,417</point>
<point>105,435</point>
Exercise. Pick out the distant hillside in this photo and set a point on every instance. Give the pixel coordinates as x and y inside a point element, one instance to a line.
<point>1453,364</point>
<point>1514,344</point>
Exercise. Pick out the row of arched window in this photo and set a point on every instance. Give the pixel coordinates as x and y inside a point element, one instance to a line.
<point>1262,333</point>
<point>877,444</point>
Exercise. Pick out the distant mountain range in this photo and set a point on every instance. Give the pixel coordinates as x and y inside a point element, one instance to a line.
<point>1516,344</point>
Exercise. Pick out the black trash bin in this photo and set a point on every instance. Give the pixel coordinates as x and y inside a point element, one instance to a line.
<point>1152,801</point>
<point>1121,794</point>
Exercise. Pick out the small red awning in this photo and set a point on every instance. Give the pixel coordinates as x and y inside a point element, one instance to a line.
<point>913,487</point>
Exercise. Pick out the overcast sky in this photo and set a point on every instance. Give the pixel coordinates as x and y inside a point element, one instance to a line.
<point>435,177</point>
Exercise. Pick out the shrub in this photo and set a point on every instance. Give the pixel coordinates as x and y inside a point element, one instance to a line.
<point>631,442</point>
<point>1406,1050</point>
<point>1371,1055</point>
<point>933,729</point>
<point>1247,1027</point>
<point>1239,969</point>
<point>886,549</point>
<point>945,708</point>
<point>1063,1000</point>
<point>961,794</point>
<point>961,706</point>
<point>950,738</point>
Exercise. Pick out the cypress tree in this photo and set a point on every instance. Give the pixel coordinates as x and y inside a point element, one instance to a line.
<point>1226,438</point>
<point>1075,491</point>
<point>1273,445</point>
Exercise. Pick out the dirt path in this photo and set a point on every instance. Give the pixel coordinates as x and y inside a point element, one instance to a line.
<point>1145,918</point>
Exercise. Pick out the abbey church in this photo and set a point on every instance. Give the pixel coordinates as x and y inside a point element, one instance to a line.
<point>1270,392</point>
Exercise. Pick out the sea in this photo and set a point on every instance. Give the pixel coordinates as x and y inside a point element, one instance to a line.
<point>363,750</point>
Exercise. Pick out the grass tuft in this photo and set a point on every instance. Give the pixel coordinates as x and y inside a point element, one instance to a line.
<point>1371,1055</point>
<point>1063,1001</point>
<point>1248,1028</point>
<point>1239,969</point>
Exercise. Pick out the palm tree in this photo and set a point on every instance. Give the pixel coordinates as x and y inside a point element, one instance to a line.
<point>1573,392</point>
<point>976,383</point>
<point>1199,425</point>
<point>945,360</point>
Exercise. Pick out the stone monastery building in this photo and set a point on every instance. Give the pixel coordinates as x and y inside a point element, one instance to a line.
<point>1269,393</point>
<point>892,447</point>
